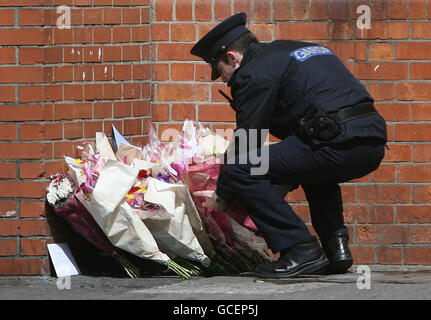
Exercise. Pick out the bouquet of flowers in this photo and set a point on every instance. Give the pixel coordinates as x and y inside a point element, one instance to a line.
<point>139,201</point>
<point>64,203</point>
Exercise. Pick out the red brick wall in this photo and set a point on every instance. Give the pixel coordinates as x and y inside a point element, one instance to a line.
<point>145,71</point>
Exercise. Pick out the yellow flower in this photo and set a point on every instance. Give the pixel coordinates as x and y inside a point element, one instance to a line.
<point>79,162</point>
<point>130,196</point>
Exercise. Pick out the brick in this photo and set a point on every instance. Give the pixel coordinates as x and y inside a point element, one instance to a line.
<point>381,51</point>
<point>7,94</point>
<point>160,112</point>
<point>421,194</point>
<point>102,35</point>
<point>183,111</point>
<point>34,247</point>
<point>31,17</point>
<point>46,131</point>
<point>122,109</point>
<point>73,92</point>
<point>397,9</point>
<point>282,9</point>
<point>413,132</point>
<point>141,108</point>
<point>398,153</point>
<point>11,150</point>
<point>301,10</point>
<point>26,112</point>
<point>8,247</point>
<point>183,32</point>
<point>160,31</point>
<point>414,50</point>
<point>141,72</point>
<point>73,130</point>
<point>416,9</point>
<point>182,71</point>
<point>414,91</point>
<point>112,91</point>
<point>112,16</point>
<point>420,70</point>
<point>34,170</point>
<point>121,34</point>
<point>122,72</point>
<point>421,111</point>
<point>91,127</point>
<point>32,209</point>
<point>164,10</point>
<point>384,30</point>
<point>262,10</point>
<point>7,55</point>
<point>422,153</point>
<point>363,254</point>
<point>263,31</point>
<point>412,214</point>
<point>382,234</point>
<point>382,71</point>
<point>381,214</point>
<point>420,234</point>
<point>222,9</point>
<point>383,194</point>
<point>242,6</point>
<point>132,91</point>
<point>131,53</point>
<point>23,189</point>
<point>183,92</point>
<point>141,34</point>
<point>384,173</point>
<point>7,131</point>
<point>184,10</point>
<point>379,10</point>
<point>7,171</point>
<point>7,17</point>
<point>355,214</point>
<point>202,10</point>
<point>338,10</point>
<point>24,266</point>
<point>63,36</point>
<point>420,30</point>
<point>131,15</point>
<point>103,110</point>
<point>303,30</point>
<point>417,256</point>
<point>382,91</point>
<point>21,74</point>
<point>216,112</point>
<point>389,255</point>
<point>133,127</point>
<point>414,173</point>
<point>394,111</point>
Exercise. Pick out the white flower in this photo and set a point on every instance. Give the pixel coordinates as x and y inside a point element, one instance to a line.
<point>52,198</point>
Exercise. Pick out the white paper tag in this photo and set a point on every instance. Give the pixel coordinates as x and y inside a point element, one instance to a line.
<point>62,259</point>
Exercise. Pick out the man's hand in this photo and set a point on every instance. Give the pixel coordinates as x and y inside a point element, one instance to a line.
<point>210,201</point>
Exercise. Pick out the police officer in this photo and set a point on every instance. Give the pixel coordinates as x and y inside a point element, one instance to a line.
<point>330,133</point>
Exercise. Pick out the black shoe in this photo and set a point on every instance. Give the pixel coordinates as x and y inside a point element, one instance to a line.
<point>306,257</point>
<point>338,253</point>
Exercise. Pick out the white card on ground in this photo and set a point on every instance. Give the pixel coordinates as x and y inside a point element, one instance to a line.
<point>62,259</point>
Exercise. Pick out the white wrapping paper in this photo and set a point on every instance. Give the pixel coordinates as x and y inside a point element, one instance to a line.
<point>115,217</point>
<point>177,236</point>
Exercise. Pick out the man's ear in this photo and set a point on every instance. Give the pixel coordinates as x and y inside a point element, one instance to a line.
<point>233,55</point>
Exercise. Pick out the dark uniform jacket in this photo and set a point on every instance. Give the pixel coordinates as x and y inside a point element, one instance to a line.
<point>278,82</point>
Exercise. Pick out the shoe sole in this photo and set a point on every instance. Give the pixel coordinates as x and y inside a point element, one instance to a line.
<point>319,266</point>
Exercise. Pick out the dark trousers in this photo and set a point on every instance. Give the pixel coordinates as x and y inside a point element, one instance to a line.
<point>294,163</point>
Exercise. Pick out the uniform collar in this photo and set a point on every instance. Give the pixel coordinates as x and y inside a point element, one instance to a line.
<point>248,55</point>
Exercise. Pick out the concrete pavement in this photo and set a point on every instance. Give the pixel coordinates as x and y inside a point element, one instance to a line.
<point>361,283</point>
